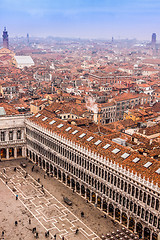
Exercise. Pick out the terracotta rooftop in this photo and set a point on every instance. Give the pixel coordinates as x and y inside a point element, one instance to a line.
<point>60,127</point>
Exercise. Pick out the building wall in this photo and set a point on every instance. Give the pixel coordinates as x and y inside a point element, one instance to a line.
<point>126,197</point>
<point>12,137</point>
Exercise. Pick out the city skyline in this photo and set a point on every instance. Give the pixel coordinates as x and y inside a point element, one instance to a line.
<point>81,19</point>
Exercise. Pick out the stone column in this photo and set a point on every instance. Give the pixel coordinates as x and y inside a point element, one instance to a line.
<point>15,152</point>
<point>24,151</point>
<point>135,226</point>
<point>7,154</point>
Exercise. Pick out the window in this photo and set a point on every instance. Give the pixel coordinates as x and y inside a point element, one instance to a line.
<point>10,135</point>
<point>19,134</point>
<point>2,136</point>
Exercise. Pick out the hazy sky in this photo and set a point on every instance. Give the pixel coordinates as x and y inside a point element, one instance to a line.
<point>81,18</point>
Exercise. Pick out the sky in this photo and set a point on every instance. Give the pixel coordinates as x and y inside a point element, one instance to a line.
<point>92,19</point>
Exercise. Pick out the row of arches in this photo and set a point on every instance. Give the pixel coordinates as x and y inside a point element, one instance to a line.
<point>104,189</point>
<point>112,179</point>
<point>93,197</point>
<point>11,152</point>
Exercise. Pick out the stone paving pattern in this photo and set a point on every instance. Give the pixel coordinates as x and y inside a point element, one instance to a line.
<point>50,213</point>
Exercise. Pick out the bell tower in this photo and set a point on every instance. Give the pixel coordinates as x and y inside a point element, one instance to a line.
<point>5,38</point>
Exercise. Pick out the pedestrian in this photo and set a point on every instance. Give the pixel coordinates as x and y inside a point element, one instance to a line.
<point>44,176</point>
<point>2,233</point>
<point>38,180</point>
<point>6,182</point>
<point>34,230</point>
<point>55,236</point>
<point>36,234</point>
<point>15,169</point>
<point>77,230</point>
<point>32,168</point>
<point>82,214</point>
<point>47,233</point>
<point>16,223</point>
<point>17,197</point>
<point>42,186</point>
<point>62,238</point>
<point>4,170</point>
<point>29,221</point>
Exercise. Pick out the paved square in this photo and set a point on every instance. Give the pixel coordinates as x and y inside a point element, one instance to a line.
<point>51,214</point>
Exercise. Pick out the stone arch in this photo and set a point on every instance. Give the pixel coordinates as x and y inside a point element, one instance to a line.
<point>124,219</point>
<point>11,152</point>
<point>111,210</point>
<point>73,184</point>
<point>83,190</point>
<point>68,180</point>
<point>55,171</point>
<point>117,214</point>
<point>93,197</point>
<point>64,178</point>
<point>51,168</point>
<point>146,233</point>
<point>47,166</point>
<point>88,194</point>
<point>104,206</point>
<point>44,164</point>
<point>154,236</point>
<point>139,229</point>
<point>19,152</point>
<point>59,174</point>
<point>98,202</point>
<point>36,158</point>
<point>3,153</point>
<point>40,162</point>
<point>131,224</point>
<point>77,187</point>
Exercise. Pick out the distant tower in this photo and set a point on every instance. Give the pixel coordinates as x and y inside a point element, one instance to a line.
<point>5,39</point>
<point>28,38</point>
<point>153,38</point>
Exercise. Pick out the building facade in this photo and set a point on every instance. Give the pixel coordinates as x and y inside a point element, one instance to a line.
<point>120,192</point>
<point>12,137</point>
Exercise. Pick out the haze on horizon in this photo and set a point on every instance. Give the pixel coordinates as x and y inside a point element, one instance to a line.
<point>81,18</point>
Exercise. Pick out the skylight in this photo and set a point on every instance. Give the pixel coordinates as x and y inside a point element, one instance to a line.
<point>53,121</point>
<point>38,115</point>
<point>60,125</point>
<point>135,160</point>
<point>67,129</point>
<point>116,150</point>
<point>44,119</point>
<point>98,142</point>
<point>89,139</point>
<point>106,146</point>
<point>147,165</point>
<point>158,171</point>
<point>75,132</point>
<point>82,135</point>
<point>125,155</point>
